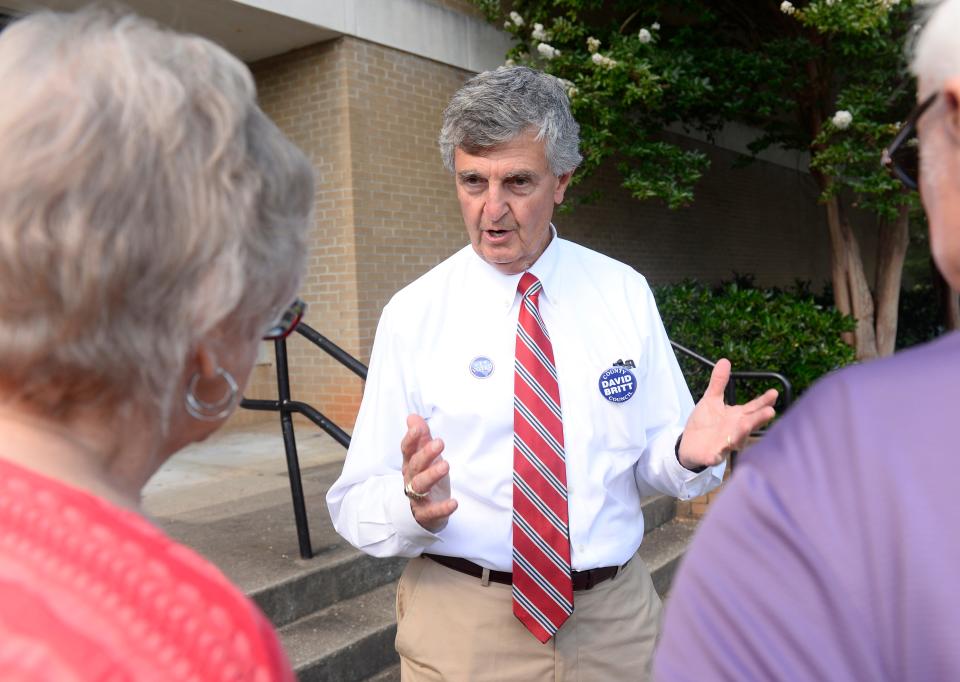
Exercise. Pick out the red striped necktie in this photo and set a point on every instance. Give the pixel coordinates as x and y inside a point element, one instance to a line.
<point>542,588</point>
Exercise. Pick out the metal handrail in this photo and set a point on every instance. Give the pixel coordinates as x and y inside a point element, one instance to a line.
<point>287,407</point>
<point>335,351</point>
<point>730,393</point>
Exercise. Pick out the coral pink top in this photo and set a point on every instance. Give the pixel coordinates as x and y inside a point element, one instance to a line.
<point>90,591</point>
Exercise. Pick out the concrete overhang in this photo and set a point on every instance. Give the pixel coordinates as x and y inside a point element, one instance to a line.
<point>254,29</point>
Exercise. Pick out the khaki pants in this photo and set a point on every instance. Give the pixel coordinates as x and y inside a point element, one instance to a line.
<point>451,627</point>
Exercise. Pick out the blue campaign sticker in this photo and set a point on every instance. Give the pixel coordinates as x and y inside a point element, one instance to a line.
<point>481,367</point>
<point>618,384</point>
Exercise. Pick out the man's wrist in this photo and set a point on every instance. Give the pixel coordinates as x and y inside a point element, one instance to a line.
<point>676,450</point>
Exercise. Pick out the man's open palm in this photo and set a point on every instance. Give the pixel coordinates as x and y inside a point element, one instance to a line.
<point>715,428</point>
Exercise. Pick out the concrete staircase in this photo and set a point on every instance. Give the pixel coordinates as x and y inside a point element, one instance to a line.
<point>335,613</point>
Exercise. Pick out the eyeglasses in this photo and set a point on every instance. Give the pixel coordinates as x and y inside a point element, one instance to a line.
<point>902,157</point>
<point>288,320</point>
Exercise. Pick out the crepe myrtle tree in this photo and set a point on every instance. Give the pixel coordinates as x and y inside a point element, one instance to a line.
<point>826,77</point>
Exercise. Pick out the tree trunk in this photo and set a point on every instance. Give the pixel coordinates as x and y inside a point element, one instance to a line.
<point>891,252</point>
<point>851,291</point>
<point>838,265</point>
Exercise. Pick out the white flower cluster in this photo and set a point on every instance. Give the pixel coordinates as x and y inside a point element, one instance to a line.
<point>655,26</point>
<point>592,45</point>
<point>787,7</point>
<point>547,51</point>
<point>509,63</point>
<point>516,19</point>
<point>645,36</point>
<point>889,4</point>
<point>540,34</point>
<point>603,60</point>
<point>842,119</point>
<point>569,87</point>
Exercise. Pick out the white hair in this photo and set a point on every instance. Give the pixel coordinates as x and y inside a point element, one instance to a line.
<point>496,106</point>
<point>144,201</point>
<point>935,50</point>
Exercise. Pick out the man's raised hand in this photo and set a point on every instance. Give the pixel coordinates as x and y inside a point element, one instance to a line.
<point>714,428</point>
<point>426,476</point>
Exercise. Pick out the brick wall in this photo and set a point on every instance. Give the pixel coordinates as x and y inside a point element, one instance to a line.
<point>406,215</point>
<point>306,93</point>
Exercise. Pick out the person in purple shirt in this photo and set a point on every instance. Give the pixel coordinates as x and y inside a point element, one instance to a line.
<point>834,553</point>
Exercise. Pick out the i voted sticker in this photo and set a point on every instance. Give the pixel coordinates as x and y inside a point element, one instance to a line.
<point>481,367</point>
<point>618,384</point>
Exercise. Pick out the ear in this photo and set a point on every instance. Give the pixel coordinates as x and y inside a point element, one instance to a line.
<point>951,96</point>
<point>562,182</point>
<point>205,361</point>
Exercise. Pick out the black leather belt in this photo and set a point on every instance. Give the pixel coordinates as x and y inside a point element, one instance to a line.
<point>582,580</point>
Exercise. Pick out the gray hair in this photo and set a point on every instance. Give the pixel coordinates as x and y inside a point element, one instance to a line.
<point>496,106</point>
<point>935,56</point>
<point>145,203</point>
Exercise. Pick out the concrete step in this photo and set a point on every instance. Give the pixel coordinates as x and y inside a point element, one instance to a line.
<point>391,674</point>
<point>253,540</point>
<point>347,642</point>
<point>658,511</point>
<point>334,576</point>
<point>662,550</point>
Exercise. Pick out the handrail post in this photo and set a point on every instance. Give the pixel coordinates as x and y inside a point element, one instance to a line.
<point>290,446</point>
<point>730,398</point>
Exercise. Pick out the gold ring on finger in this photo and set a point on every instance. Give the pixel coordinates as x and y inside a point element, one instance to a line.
<point>411,493</point>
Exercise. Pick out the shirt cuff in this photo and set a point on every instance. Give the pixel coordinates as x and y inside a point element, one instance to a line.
<point>693,483</point>
<point>399,512</point>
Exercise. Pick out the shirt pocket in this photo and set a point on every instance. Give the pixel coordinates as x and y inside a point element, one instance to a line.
<point>619,426</point>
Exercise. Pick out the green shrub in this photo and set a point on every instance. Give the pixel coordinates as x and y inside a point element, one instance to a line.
<point>756,329</point>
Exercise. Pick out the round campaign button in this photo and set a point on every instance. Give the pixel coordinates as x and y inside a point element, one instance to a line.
<point>618,384</point>
<point>481,367</point>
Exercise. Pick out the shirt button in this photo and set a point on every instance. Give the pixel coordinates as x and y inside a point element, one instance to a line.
<point>579,549</point>
<point>569,490</point>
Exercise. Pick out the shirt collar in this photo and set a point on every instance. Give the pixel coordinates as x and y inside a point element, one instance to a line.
<point>503,288</point>
<point>545,269</point>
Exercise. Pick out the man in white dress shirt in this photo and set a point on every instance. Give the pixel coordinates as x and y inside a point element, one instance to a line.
<point>433,470</point>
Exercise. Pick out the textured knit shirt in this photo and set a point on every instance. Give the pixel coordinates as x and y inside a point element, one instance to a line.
<point>89,591</point>
<point>445,350</point>
<point>834,554</point>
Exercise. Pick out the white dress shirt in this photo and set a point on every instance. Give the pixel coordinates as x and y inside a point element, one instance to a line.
<point>597,311</point>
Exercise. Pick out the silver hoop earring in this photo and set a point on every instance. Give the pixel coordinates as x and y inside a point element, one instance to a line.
<point>211,412</point>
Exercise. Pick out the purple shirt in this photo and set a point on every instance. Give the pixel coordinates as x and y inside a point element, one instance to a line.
<point>834,552</point>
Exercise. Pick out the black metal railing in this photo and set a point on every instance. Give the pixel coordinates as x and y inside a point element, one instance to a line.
<point>287,407</point>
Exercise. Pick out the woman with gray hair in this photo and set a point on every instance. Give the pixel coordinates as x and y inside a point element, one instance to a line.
<point>152,230</point>
<point>834,552</point>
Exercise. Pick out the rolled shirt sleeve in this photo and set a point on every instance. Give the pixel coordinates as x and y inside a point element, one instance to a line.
<point>667,406</point>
